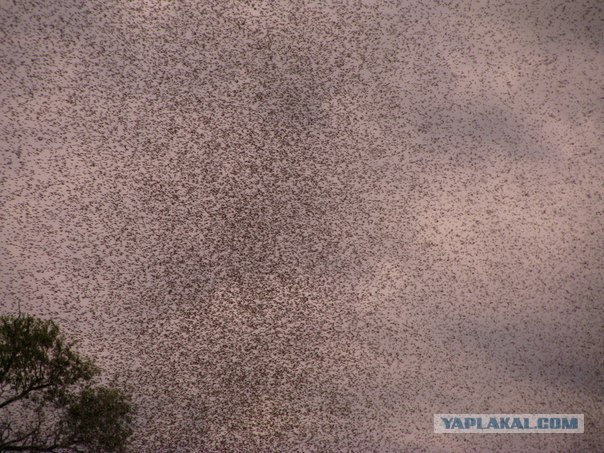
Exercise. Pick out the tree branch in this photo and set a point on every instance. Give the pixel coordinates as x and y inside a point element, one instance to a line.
<point>6,367</point>
<point>51,448</point>
<point>7,445</point>
<point>23,394</point>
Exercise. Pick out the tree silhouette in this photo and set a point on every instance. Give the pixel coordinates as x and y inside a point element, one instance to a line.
<point>49,400</point>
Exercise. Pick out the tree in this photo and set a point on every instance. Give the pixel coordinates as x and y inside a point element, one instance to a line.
<point>49,397</point>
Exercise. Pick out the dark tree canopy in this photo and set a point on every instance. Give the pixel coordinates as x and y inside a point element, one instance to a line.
<point>49,400</point>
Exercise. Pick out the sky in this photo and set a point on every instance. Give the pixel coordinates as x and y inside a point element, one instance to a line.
<point>313,225</point>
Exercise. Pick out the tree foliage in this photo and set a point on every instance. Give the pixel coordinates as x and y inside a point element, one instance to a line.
<point>49,400</point>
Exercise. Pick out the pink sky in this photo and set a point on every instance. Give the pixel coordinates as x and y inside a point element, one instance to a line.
<point>313,225</point>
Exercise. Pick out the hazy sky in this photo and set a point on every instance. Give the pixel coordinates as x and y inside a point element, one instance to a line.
<point>313,225</point>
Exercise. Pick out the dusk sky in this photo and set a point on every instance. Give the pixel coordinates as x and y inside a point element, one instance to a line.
<point>311,226</point>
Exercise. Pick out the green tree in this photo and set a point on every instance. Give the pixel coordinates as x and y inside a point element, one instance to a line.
<point>49,399</point>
